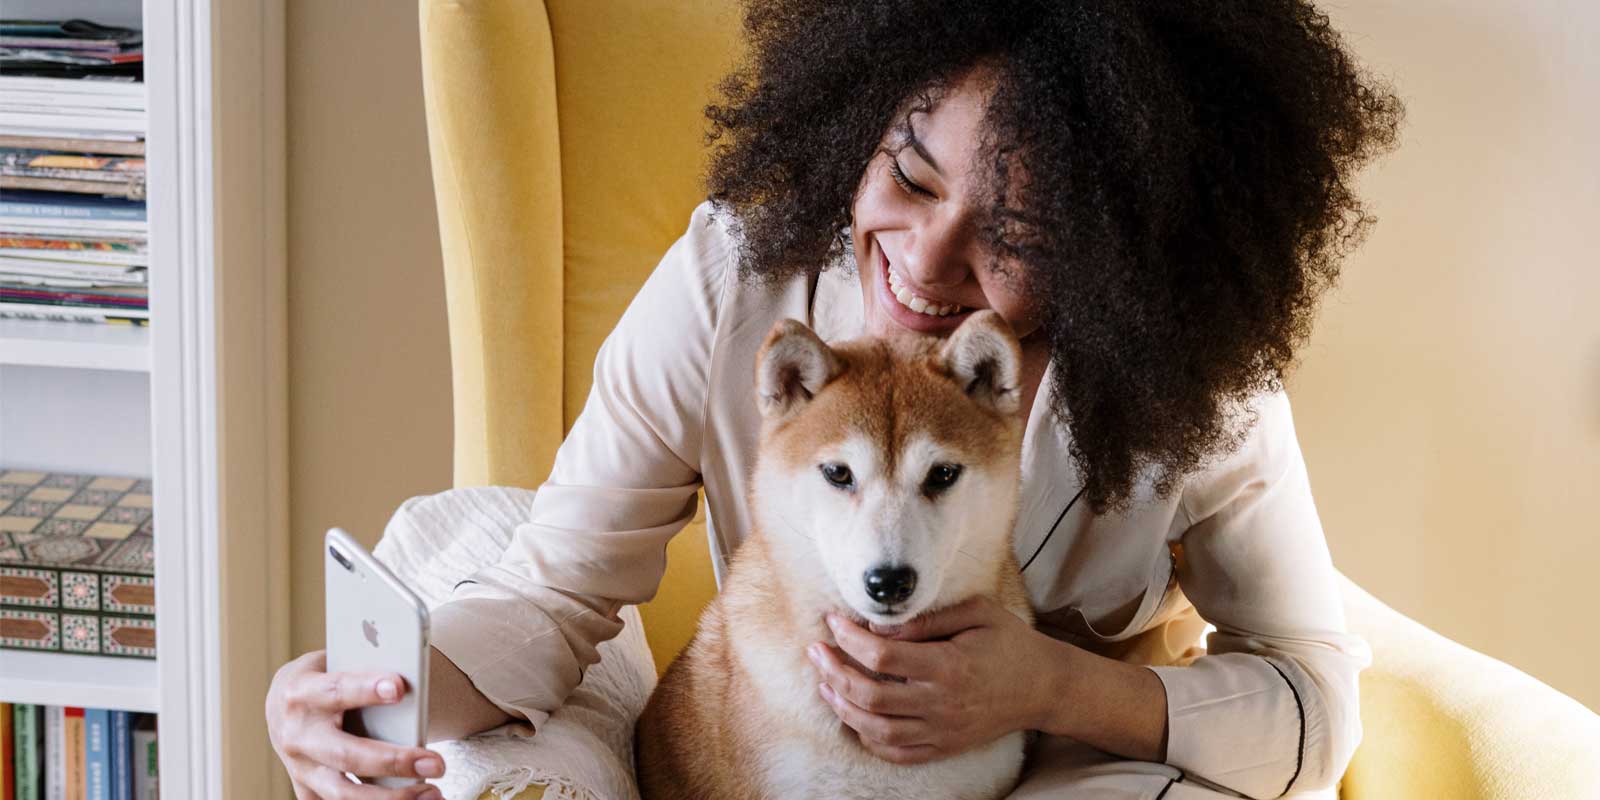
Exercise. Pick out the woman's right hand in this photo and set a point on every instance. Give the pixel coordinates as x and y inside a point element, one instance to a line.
<point>305,714</point>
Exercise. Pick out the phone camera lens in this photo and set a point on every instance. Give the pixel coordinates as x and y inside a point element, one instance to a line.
<point>339,557</point>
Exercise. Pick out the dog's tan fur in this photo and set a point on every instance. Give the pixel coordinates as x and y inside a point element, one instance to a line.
<point>737,713</point>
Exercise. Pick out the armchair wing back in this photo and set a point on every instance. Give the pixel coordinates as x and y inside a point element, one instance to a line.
<point>567,143</point>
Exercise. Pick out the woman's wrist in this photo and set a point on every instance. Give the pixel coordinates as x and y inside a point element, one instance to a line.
<point>1111,705</point>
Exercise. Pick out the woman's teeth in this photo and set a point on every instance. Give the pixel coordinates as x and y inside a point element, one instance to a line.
<point>915,303</point>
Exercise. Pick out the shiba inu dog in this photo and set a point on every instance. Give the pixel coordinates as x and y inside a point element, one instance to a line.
<point>885,487</point>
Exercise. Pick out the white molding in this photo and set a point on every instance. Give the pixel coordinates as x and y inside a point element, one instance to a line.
<point>178,74</point>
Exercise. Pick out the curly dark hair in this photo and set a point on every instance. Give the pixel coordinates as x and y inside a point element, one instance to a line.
<point>1189,194</point>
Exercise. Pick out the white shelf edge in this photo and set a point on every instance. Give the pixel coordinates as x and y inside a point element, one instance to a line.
<point>68,679</point>
<point>81,345</point>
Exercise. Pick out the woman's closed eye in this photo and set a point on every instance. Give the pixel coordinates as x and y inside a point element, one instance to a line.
<point>906,183</point>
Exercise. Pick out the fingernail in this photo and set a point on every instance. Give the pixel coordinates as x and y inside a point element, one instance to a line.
<point>833,622</point>
<point>387,690</point>
<point>430,767</point>
<point>827,691</point>
<point>431,794</point>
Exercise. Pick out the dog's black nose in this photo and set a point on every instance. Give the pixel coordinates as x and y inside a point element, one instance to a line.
<point>890,585</point>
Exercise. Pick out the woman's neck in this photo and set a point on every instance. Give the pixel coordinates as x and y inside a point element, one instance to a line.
<point>1035,357</point>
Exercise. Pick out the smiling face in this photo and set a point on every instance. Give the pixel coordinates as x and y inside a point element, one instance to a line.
<point>915,223</point>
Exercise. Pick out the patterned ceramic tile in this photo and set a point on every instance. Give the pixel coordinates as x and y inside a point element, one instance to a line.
<point>80,633</point>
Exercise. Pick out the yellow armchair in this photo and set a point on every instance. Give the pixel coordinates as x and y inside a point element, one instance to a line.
<point>566,139</point>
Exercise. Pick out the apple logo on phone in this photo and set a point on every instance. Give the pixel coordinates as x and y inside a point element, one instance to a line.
<point>370,631</point>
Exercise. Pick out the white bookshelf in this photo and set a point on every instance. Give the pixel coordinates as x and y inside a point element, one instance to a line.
<point>44,343</point>
<point>130,684</point>
<point>197,401</point>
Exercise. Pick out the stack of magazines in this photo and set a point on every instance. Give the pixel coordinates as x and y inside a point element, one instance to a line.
<point>73,229</point>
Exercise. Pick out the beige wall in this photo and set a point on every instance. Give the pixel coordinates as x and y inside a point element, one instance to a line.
<point>369,361</point>
<point>1449,406</point>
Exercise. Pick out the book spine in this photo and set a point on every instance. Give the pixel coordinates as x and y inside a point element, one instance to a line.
<point>10,208</point>
<point>121,756</point>
<point>73,730</point>
<point>145,763</point>
<point>24,311</point>
<point>55,753</point>
<point>28,758</point>
<point>97,754</point>
<point>69,298</point>
<point>71,145</point>
<point>8,754</point>
<point>133,190</point>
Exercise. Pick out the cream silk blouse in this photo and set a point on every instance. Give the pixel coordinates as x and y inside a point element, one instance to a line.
<point>1267,707</point>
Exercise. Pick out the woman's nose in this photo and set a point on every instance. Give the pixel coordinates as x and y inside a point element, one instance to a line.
<point>938,255</point>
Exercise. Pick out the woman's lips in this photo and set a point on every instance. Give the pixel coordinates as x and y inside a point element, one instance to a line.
<point>917,321</point>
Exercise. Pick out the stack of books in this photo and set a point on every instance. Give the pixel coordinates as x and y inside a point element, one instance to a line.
<point>77,564</point>
<point>77,753</point>
<point>73,229</point>
<point>69,48</point>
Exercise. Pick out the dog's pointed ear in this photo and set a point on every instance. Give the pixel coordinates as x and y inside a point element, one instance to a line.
<point>984,358</point>
<point>793,365</point>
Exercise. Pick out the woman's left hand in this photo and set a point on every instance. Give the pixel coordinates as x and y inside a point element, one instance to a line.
<point>971,675</point>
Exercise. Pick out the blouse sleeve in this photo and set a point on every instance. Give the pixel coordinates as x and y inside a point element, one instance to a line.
<point>1273,707</point>
<point>625,481</point>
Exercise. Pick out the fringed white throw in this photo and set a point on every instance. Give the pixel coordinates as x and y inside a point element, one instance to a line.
<point>584,751</point>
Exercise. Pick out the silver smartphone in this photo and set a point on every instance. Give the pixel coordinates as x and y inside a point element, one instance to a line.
<point>376,624</point>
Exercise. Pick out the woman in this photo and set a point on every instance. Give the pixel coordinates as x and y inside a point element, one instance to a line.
<point>1154,195</point>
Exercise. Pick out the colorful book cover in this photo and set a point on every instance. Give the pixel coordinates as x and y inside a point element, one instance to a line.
<point>110,297</point>
<point>71,145</point>
<point>96,754</point>
<point>8,755</point>
<point>72,267</point>
<point>121,755</point>
<point>28,754</point>
<point>123,251</point>
<point>73,734</point>
<point>47,159</point>
<point>45,205</point>
<point>131,189</point>
<point>55,753</point>
<point>146,766</point>
<point>72,314</point>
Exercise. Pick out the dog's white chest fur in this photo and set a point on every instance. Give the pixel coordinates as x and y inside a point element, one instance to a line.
<point>812,755</point>
<point>796,769</point>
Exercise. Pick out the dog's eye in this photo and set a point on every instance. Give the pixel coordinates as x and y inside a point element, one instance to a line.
<point>941,477</point>
<point>838,475</point>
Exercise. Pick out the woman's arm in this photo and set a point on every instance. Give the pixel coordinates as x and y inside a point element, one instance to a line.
<point>1273,707</point>
<point>456,708</point>
<point>625,480</point>
<point>1108,704</point>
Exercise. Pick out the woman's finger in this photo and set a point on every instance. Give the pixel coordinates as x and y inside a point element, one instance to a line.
<point>876,696</point>
<point>975,612</point>
<point>892,731</point>
<point>334,785</point>
<point>333,692</point>
<point>916,754</point>
<point>910,660</point>
<point>302,792</point>
<point>371,758</point>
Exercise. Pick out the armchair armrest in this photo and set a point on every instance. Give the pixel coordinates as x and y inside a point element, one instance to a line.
<point>1441,720</point>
